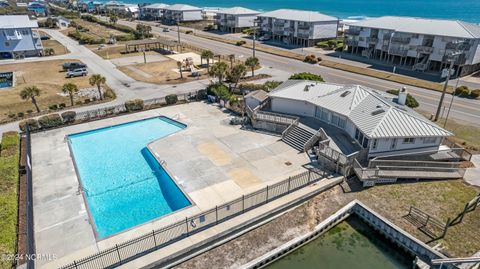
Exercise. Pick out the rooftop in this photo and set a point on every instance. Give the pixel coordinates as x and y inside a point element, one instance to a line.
<point>260,95</point>
<point>374,113</point>
<point>238,11</point>
<point>157,5</point>
<point>17,21</point>
<point>423,26</point>
<point>298,15</point>
<point>182,7</point>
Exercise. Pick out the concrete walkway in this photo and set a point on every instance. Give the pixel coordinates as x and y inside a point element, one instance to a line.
<point>472,175</point>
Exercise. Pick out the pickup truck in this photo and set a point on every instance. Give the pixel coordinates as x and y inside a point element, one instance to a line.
<point>73,65</point>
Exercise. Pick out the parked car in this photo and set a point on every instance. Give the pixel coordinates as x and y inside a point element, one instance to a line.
<point>73,65</point>
<point>77,72</point>
<point>44,37</point>
<point>263,38</point>
<point>165,29</point>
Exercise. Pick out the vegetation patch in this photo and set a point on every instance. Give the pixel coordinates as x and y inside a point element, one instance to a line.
<point>9,165</point>
<point>134,105</point>
<point>307,76</point>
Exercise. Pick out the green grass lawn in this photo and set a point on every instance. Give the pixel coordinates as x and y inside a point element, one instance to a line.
<point>9,161</point>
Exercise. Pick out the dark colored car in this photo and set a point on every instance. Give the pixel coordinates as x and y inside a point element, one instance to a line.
<point>74,65</point>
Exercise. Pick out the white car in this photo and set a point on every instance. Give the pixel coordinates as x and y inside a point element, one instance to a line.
<point>263,38</point>
<point>79,72</point>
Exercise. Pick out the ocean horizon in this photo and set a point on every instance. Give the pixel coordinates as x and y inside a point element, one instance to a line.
<point>466,10</point>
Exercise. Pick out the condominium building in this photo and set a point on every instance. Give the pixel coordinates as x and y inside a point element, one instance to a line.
<point>19,37</point>
<point>235,19</point>
<point>297,27</point>
<point>153,11</point>
<point>182,13</point>
<point>422,44</point>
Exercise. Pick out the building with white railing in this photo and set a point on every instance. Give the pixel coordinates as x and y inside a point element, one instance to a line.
<point>418,43</point>
<point>235,19</point>
<point>297,27</point>
<point>19,37</point>
<point>182,13</point>
<point>153,11</point>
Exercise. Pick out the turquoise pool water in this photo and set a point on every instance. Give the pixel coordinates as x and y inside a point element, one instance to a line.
<point>124,184</point>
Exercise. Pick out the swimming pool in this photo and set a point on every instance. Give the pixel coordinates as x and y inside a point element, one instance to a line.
<point>123,183</point>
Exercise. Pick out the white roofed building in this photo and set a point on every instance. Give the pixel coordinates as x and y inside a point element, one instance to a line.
<point>298,27</point>
<point>235,19</point>
<point>181,13</point>
<point>19,37</point>
<point>153,11</point>
<point>417,43</point>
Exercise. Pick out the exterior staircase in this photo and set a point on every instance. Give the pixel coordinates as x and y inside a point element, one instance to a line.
<point>297,135</point>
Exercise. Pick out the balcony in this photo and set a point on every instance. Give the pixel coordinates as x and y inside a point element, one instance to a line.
<point>372,40</point>
<point>400,40</point>
<point>424,49</point>
<point>303,33</point>
<point>459,59</point>
<point>351,42</point>
<point>398,52</point>
<point>352,31</point>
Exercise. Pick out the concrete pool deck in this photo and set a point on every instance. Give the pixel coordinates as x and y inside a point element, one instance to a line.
<point>212,161</point>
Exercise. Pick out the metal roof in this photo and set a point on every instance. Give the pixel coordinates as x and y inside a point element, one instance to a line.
<point>424,26</point>
<point>298,15</point>
<point>182,7</point>
<point>17,21</point>
<point>259,95</point>
<point>156,6</point>
<point>372,112</point>
<point>238,11</point>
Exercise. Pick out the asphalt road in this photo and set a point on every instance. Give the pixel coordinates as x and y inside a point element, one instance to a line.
<point>464,110</point>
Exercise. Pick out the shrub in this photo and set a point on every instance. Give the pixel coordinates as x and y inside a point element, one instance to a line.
<point>11,115</point>
<point>306,76</point>
<point>20,114</point>
<point>240,43</point>
<point>462,91</point>
<point>29,111</point>
<point>474,94</point>
<point>49,121</point>
<point>69,116</point>
<point>86,101</point>
<point>202,95</point>
<point>311,59</point>
<point>53,107</point>
<point>31,123</point>
<point>109,93</point>
<point>219,90</point>
<point>171,99</point>
<point>134,105</point>
<point>188,32</point>
<point>62,105</point>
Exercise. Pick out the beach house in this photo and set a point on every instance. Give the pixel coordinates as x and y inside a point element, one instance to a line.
<point>235,19</point>
<point>297,27</point>
<point>181,13</point>
<point>19,37</point>
<point>152,12</point>
<point>420,44</point>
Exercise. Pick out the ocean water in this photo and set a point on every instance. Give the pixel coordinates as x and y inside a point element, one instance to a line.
<point>350,244</point>
<point>123,183</point>
<point>466,10</point>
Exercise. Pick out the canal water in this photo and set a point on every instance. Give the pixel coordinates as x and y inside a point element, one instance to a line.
<point>350,244</point>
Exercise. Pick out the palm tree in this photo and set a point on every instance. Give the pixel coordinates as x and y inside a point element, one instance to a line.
<point>207,54</point>
<point>179,65</point>
<point>236,73</point>
<point>113,18</point>
<point>71,89</point>
<point>219,70</point>
<point>231,57</point>
<point>98,80</point>
<point>30,93</point>
<point>252,62</point>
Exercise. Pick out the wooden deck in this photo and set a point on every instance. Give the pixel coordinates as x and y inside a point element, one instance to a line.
<point>372,174</point>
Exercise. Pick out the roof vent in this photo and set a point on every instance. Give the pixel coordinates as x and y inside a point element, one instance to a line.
<point>379,106</point>
<point>345,93</point>
<point>378,111</point>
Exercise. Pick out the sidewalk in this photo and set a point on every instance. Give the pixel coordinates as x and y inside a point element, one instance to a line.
<point>472,175</point>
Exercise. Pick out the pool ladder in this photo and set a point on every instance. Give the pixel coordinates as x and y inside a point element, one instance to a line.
<point>163,162</point>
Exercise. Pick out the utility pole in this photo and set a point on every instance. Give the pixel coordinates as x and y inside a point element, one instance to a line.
<point>452,57</point>
<point>445,87</point>
<point>178,31</point>
<point>254,36</point>
<point>451,101</point>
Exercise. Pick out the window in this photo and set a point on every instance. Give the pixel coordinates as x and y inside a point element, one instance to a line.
<point>365,142</point>
<point>334,119</point>
<point>408,140</point>
<point>7,44</point>
<point>375,143</point>
<point>357,133</point>
<point>318,112</point>
<point>394,143</point>
<point>429,140</point>
<point>341,123</point>
<point>360,138</point>
<point>325,115</point>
